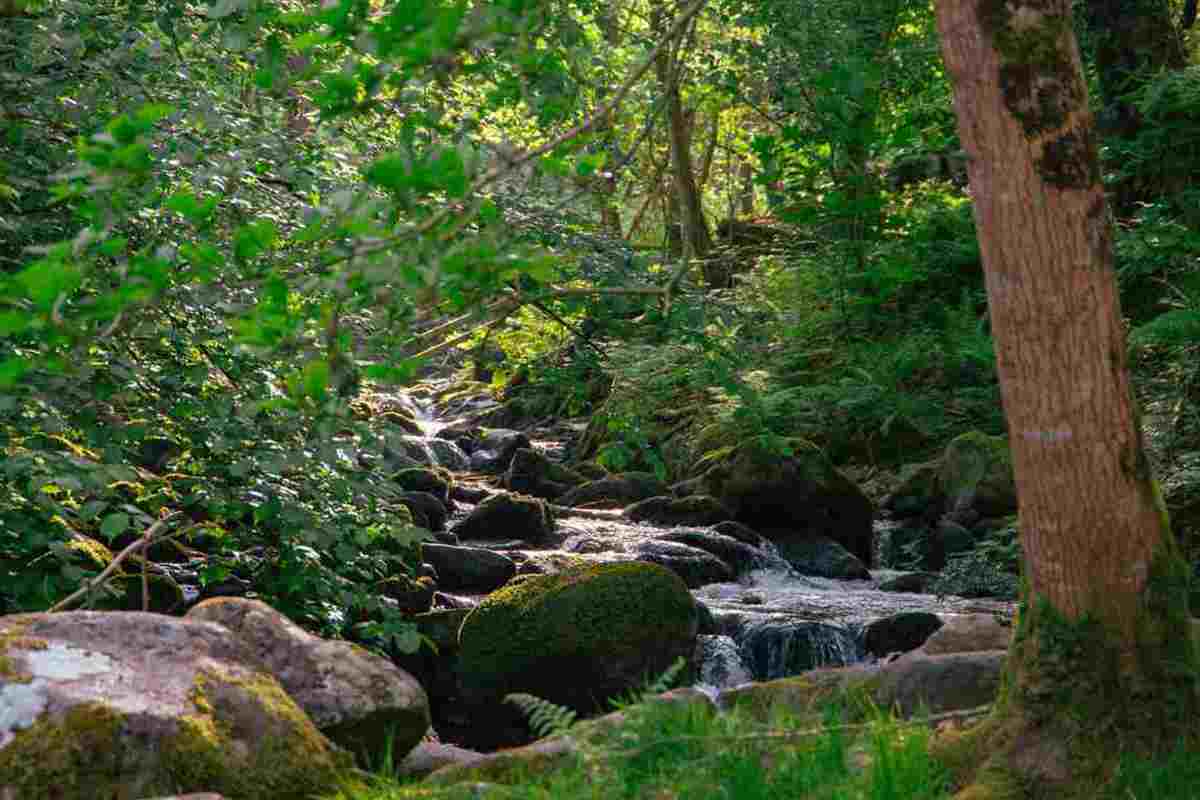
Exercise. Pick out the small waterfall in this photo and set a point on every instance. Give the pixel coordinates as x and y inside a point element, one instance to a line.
<point>770,560</point>
<point>720,662</point>
<point>779,648</point>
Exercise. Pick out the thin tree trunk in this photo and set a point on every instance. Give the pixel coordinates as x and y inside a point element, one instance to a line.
<point>694,229</point>
<point>746,173</point>
<point>1103,635</point>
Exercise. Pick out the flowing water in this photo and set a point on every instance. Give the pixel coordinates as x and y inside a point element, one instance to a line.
<point>771,622</point>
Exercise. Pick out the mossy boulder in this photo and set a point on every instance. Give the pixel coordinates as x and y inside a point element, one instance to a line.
<point>578,638</point>
<point>434,480</point>
<point>355,697</point>
<point>974,473</point>
<point>426,510</point>
<point>507,517</point>
<point>797,490</point>
<point>128,704</point>
<point>615,491</point>
<point>698,509</point>
<point>534,474</point>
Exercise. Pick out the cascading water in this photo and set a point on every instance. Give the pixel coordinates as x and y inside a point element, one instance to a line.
<point>777,648</point>
<point>720,663</point>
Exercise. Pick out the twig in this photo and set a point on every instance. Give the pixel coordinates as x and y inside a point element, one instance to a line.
<point>143,542</point>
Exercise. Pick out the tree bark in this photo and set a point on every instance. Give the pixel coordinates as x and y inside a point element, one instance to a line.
<point>1104,631</point>
<point>696,238</point>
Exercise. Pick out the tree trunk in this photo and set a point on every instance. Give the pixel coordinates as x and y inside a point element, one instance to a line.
<point>746,199</point>
<point>696,239</point>
<point>1102,653</point>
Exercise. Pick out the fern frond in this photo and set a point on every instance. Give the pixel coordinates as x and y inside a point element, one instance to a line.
<point>545,718</point>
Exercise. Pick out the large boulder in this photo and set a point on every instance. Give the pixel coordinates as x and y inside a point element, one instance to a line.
<point>914,683</point>
<point>427,510</point>
<point>508,516</point>
<point>969,633</point>
<point>796,491</point>
<point>974,473</point>
<point>131,704</point>
<point>615,491</point>
<point>354,696</point>
<point>577,638</point>
<point>698,509</point>
<point>468,569</point>
<point>534,474</point>
<point>697,567</point>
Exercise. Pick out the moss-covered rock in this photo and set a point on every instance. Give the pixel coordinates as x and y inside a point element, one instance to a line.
<point>534,474</point>
<point>133,705</point>
<point>615,491</point>
<point>357,698</point>
<point>797,490</point>
<point>974,473</point>
<point>578,638</point>
<point>434,480</point>
<point>818,555</point>
<point>698,509</point>
<point>506,517</point>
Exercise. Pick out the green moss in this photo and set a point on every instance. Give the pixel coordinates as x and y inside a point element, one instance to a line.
<point>90,554</point>
<point>593,623</point>
<point>69,757</point>
<point>977,470</point>
<point>292,760</point>
<point>12,637</point>
<point>1038,78</point>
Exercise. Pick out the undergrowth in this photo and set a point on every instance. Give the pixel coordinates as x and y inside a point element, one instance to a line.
<point>684,750</point>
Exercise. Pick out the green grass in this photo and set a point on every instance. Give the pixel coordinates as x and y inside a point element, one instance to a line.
<point>673,751</point>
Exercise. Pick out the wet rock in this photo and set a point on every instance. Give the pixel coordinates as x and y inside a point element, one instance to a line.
<point>578,638</point>
<point>899,633</point>
<point>615,491</point>
<point>743,533</point>
<point>801,491</point>
<point>688,488</point>
<point>427,510</point>
<point>436,482</point>
<point>534,474</point>
<point>968,633</point>
<point>737,554</point>
<point>915,582</point>
<point>708,623</point>
<point>468,569</point>
<point>697,567</point>
<point>777,648</point>
<point>495,449</point>
<point>465,435</point>
<point>354,696</point>
<point>77,723</point>
<point>811,554</point>
<point>700,510</point>
<point>506,517</point>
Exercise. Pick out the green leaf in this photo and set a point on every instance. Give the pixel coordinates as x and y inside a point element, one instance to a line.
<point>114,525</point>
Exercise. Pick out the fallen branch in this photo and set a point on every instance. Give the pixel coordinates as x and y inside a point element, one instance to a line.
<point>142,543</point>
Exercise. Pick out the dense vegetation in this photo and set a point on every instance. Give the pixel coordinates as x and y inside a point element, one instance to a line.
<point>230,232</point>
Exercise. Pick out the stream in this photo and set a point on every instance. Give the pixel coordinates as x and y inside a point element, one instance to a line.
<point>771,622</point>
